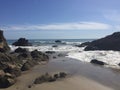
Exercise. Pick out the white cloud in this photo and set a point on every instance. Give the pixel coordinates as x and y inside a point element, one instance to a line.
<point>61,26</point>
<point>113,15</point>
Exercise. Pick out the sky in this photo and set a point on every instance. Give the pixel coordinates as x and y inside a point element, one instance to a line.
<point>59,19</point>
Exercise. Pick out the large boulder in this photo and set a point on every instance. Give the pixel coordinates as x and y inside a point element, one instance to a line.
<point>6,80</point>
<point>110,42</point>
<point>20,50</point>
<point>3,44</point>
<point>12,69</point>
<point>9,64</point>
<point>22,42</point>
<point>39,56</point>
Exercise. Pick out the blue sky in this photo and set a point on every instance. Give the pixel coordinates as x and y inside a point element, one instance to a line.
<point>55,19</point>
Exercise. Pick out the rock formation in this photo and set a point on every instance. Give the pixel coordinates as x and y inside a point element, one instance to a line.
<point>11,64</point>
<point>3,44</point>
<point>22,42</point>
<point>110,42</point>
<point>94,61</point>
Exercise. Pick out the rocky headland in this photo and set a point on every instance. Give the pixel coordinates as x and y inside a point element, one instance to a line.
<point>110,42</point>
<point>13,63</point>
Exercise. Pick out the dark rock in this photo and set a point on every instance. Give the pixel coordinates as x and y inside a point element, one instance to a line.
<point>56,76</point>
<point>94,61</point>
<point>20,50</point>
<point>29,86</point>
<point>58,41</point>
<point>28,65</point>
<point>24,55</point>
<point>39,56</point>
<point>3,43</point>
<point>55,46</point>
<point>119,64</point>
<point>6,82</point>
<point>6,79</point>
<point>62,74</point>
<point>110,42</point>
<point>83,44</point>
<point>44,78</point>
<point>22,42</point>
<point>50,52</point>
<point>12,69</point>
<point>6,59</point>
<point>49,78</point>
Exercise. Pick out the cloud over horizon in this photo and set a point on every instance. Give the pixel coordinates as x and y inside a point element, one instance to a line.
<point>61,26</point>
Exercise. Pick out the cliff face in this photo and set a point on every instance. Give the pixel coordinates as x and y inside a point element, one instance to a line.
<point>3,44</point>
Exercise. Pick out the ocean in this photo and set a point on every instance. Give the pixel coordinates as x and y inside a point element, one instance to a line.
<point>111,58</point>
<point>38,42</point>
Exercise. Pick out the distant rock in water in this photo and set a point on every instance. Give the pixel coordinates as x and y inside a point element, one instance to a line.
<point>110,42</point>
<point>22,42</point>
<point>3,44</point>
<point>58,41</point>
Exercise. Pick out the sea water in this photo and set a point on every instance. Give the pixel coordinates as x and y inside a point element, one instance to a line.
<point>111,58</point>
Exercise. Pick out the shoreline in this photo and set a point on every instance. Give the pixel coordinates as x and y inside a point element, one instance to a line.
<point>69,83</point>
<point>81,79</point>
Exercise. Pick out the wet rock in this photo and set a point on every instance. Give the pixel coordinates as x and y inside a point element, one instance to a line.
<point>3,43</point>
<point>44,78</point>
<point>12,69</point>
<point>50,78</point>
<point>39,56</point>
<point>2,73</point>
<point>22,42</point>
<point>20,50</point>
<point>24,55</point>
<point>6,80</point>
<point>6,59</point>
<point>56,76</point>
<point>62,74</point>
<point>94,61</point>
<point>50,52</point>
<point>28,65</point>
<point>110,42</point>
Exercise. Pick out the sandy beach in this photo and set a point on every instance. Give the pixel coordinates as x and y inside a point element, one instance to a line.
<point>75,80</point>
<point>71,83</point>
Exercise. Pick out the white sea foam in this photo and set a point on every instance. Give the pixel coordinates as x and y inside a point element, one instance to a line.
<point>64,48</point>
<point>73,43</point>
<point>112,58</point>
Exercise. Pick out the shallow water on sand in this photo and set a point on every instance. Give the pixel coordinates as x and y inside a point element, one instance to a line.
<point>106,76</point>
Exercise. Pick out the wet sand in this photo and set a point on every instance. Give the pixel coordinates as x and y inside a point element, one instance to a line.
<point>83,76</point>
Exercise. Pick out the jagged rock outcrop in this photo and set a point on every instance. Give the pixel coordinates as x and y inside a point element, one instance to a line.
<point>110,42</point>
<point>12,63</point>
<point>39,56</point>
<point>22,42</point>
<point>3,43</point>
<point>6,79</point>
